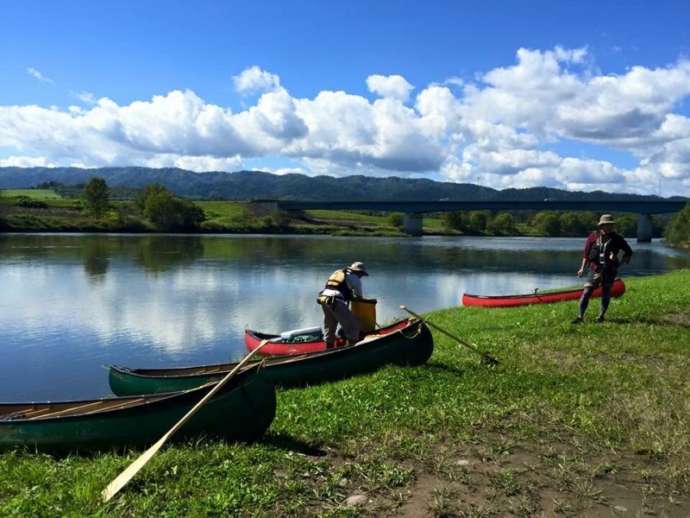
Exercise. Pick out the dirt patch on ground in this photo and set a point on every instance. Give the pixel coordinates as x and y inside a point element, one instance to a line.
<point>679,319</point>
<point>533,480</point>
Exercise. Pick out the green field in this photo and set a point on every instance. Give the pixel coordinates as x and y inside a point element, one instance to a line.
<point>381,220</point>
<point>576,419</point>
<point>34,194</point>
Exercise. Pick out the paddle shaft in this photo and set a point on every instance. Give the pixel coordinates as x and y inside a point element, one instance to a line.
<point>121,480</point>
<point>457,339</point>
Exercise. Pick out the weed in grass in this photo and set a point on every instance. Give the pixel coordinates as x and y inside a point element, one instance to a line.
<point>443,503</point>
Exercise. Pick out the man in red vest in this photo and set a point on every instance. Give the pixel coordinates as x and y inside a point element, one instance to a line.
<point>602,248</point>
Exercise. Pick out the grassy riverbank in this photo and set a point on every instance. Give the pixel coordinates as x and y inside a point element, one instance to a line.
<point>44,210</point>
<point>591,418</point>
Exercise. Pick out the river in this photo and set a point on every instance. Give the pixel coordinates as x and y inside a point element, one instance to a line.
<point>70,304</point>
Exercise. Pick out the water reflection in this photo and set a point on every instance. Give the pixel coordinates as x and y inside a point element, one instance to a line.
<point>70,303</point>
<point>96,257</point>
<point>157,254</point>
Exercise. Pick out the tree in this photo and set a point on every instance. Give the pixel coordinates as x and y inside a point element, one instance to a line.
<point>572,224</point>
<point>547,223</point>
<point>96,196</point>
<point>626,225</point>
<point>502,224</point>
<point>395,220</point>
<point>678,230</point>
<point>167,212</point>
<point>478,221</point>
<point>453,220</point>
<point>143,195</point>
<point>3,223</point>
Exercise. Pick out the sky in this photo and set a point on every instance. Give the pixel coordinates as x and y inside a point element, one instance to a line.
<point>575,95</point>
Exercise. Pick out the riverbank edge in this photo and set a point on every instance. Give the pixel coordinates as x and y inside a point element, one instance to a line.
<point>576,418</point>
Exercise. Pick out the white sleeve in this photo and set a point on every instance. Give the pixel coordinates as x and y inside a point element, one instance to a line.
<point>355,284</point>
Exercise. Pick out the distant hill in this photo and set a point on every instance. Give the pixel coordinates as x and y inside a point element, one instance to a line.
<point>245,185</point>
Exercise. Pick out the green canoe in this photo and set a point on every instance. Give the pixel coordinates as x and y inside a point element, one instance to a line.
<point>405,343</point>
<point>242,410</point>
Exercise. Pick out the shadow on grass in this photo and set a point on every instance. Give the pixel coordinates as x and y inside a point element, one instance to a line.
<point>287,442</point>
<point>668,320</point>
<point>445,368</point>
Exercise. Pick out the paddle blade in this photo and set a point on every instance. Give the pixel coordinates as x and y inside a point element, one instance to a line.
<point>121,480</point>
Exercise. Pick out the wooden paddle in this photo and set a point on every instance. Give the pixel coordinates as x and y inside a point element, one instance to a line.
<point>121,480</point>
<point>486,357</point>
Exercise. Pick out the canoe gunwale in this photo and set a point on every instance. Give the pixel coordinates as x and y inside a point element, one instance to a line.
<point>382,332</point>
<point>408,329</point>
<point>136,401</point>
<point>470,300</point>
<point>277,360</point>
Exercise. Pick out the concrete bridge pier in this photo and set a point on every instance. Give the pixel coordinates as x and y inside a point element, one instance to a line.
<point>412,224</point>
<point>644,228</point>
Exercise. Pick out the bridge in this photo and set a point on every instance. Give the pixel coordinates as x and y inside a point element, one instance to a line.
<point>413,210</point>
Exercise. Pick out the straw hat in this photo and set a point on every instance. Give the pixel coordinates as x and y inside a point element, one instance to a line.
<point>359,267</point>
<point>606,219</point>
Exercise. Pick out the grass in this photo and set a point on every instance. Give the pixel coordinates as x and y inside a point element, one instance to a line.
<point>372,220</point>
<point>35,194</point>
<point>66,214</point>
<point>222,212</point>
<point>575,419</point>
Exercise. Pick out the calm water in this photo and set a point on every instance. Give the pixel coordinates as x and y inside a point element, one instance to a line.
<point>70,304</point>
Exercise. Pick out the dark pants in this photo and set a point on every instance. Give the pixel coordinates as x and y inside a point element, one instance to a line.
<point>604,279</point>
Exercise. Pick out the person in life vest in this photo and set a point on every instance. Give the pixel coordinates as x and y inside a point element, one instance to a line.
<point>341,287</point>
<point>601,254</point>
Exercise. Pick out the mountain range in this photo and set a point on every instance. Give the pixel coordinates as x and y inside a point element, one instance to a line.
<point>246,185</point>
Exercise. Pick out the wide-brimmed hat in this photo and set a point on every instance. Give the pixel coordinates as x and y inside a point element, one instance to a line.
<point>359,267</point>
<point>606,219</point>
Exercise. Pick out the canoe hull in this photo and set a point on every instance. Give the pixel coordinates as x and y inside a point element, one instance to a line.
<point>241,413</point>
<point>617,290</point>
<point>411,344</point>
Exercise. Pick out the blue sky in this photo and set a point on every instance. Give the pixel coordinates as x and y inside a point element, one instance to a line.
<point>62,54</point>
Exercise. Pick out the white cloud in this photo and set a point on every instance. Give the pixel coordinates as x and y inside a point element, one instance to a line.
<point>285,170</point>
<point>496,130</point>
<point>86,97</point>
<point>454,81</point>
<point>25,161</point>
<point>199,164</point>
<point>254,79</point>
<point>394,86</point>
<point>36,74</point>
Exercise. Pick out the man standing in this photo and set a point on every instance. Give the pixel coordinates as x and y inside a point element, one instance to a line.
<point>341,287</point>
<point>601,254</point>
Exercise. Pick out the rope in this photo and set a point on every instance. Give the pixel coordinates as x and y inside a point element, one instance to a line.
<point>416,333</point>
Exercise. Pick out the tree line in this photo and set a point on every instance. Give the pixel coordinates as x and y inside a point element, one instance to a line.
<point>678,230</point>
<point>545,223</point>
<point>160,207</point>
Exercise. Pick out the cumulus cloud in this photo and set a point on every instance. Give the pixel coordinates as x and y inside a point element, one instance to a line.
<point>394,87</point>
<point>498,129</point>
<point>254,79</point>
<point>25,161</point>
<point>199,164</point>
<point>36,74</point>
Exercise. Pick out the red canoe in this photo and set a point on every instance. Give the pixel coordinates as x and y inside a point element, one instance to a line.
<point>509,301</point>
<point>278,347</point>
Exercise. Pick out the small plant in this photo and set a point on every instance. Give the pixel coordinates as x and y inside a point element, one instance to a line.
<point>443,503</point>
